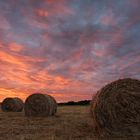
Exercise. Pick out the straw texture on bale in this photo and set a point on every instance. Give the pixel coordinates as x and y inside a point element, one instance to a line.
<point>40,105</point>
<point>12,105</point>
<point>116,109</point>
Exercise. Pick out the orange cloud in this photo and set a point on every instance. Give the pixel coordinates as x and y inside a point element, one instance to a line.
<point>5,57</point>
<point>11,93</point>
<point>15,47</point>
<point>20,74</point>
<point>42,13</point>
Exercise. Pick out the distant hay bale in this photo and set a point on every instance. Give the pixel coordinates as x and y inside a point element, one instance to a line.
<point>12,105</point>
<point>40,105</point>
<point>116,109</point>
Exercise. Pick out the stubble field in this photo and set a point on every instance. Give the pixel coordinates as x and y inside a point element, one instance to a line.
<point>70,123</point>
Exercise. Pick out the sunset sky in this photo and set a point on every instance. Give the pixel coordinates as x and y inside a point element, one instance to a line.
<point>67,48</point>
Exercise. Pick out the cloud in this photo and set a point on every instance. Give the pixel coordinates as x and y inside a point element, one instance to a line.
<point>4,24</point>
<point>69,49</point>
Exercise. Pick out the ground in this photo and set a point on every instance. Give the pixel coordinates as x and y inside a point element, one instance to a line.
<point>70,123</point>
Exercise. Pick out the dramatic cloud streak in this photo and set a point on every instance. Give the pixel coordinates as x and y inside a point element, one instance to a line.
<point>68,49</point>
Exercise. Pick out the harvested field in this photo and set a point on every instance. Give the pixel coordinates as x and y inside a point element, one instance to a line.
<point>70,123</point>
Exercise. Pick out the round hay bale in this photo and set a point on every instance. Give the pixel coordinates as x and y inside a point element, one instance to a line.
<point>116,109</point>
<point>40,105</point>
<point>12,105</point>
<point>54,105</point>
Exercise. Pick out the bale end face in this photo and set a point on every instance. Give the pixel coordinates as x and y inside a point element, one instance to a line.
<point>116,109</point>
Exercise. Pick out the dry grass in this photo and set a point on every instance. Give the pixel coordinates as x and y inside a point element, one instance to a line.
<point>70,123</point>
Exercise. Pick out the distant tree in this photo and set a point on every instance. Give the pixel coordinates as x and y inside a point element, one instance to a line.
<point>71,103</point>
<point>84,102</point>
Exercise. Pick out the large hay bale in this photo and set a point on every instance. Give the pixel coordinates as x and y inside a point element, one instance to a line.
<point>40,105</point>
<point>12,105</point>
<point>116,109</point>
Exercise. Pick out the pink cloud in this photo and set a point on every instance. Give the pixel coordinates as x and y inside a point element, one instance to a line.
<point>4,24</point>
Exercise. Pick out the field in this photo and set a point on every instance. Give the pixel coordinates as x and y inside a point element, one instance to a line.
<point>70,123</point>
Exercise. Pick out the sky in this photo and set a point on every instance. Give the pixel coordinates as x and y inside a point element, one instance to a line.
<point>67,48</point>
